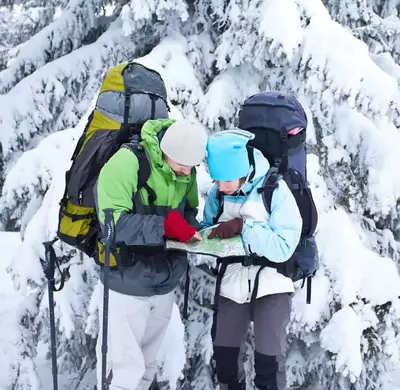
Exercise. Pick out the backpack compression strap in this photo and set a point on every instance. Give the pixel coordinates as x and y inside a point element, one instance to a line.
<point>282,163</point>
<point>124,131</point>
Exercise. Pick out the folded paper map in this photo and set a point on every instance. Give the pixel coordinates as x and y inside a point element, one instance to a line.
<point>216,247</point>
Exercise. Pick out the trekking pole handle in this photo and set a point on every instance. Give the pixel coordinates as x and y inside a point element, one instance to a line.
<point>48,263</point>
<point>109,227</point>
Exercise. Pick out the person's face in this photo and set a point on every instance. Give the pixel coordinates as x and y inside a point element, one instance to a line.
<point>179,169</point>
<point>229,187</point>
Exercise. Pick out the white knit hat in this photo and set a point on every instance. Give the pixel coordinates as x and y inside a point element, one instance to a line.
<point>185,142</point>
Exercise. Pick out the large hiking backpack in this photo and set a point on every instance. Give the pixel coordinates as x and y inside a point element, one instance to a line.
<point>130,95</point>
<point>279,124</point>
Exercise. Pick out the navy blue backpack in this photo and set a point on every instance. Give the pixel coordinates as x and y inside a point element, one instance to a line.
<point>271,116</point>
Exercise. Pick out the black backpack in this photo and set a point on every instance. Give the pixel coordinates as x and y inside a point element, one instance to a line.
<point>271,116</point>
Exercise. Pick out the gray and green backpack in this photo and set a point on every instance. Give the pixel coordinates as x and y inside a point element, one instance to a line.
<point>130,95</point>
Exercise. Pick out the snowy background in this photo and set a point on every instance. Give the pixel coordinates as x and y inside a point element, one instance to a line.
<point>339,57</point>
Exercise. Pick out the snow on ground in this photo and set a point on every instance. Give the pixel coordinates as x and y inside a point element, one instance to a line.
<point>9,299</point>
<point>393,381</point>
<point>9,316</point>
<point>9,243</point>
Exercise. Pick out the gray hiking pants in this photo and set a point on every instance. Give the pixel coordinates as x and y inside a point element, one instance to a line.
<point>271,317</point>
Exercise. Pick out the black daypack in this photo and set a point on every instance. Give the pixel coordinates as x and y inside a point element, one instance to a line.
<point>271,116</point>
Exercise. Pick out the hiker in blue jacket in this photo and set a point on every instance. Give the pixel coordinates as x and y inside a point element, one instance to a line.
<point>235,203</point>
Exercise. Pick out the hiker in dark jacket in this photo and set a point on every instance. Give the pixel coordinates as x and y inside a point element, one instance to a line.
<point>142,292</point>
<point>273,236</point>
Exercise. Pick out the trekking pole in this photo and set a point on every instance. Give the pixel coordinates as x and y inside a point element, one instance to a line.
<point>49,265</point>
<point>108,240</point>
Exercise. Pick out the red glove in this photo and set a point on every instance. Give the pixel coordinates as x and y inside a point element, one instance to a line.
<point>175,226</point>
<point>227,229</point>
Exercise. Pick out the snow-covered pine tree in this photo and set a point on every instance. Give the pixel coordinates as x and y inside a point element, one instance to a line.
<point>79,23</point>
<point>21,20</point>
<point>212,55</point>
<point>377,23</point>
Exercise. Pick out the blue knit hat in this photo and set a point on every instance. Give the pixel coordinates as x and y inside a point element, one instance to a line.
<point>227,155</point>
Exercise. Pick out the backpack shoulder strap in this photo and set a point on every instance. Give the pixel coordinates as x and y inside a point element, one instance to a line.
<point>270,184</point>
<point>252,162</point>
<point>220,200</point>
<point>144,169</point>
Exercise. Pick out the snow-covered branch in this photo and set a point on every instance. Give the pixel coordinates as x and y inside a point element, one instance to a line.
<point>64,35</point>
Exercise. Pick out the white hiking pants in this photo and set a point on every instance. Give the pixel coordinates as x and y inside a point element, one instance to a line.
<point>136,329</point>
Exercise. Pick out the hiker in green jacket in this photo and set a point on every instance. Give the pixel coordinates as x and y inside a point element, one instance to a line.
<point>142,289</point>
